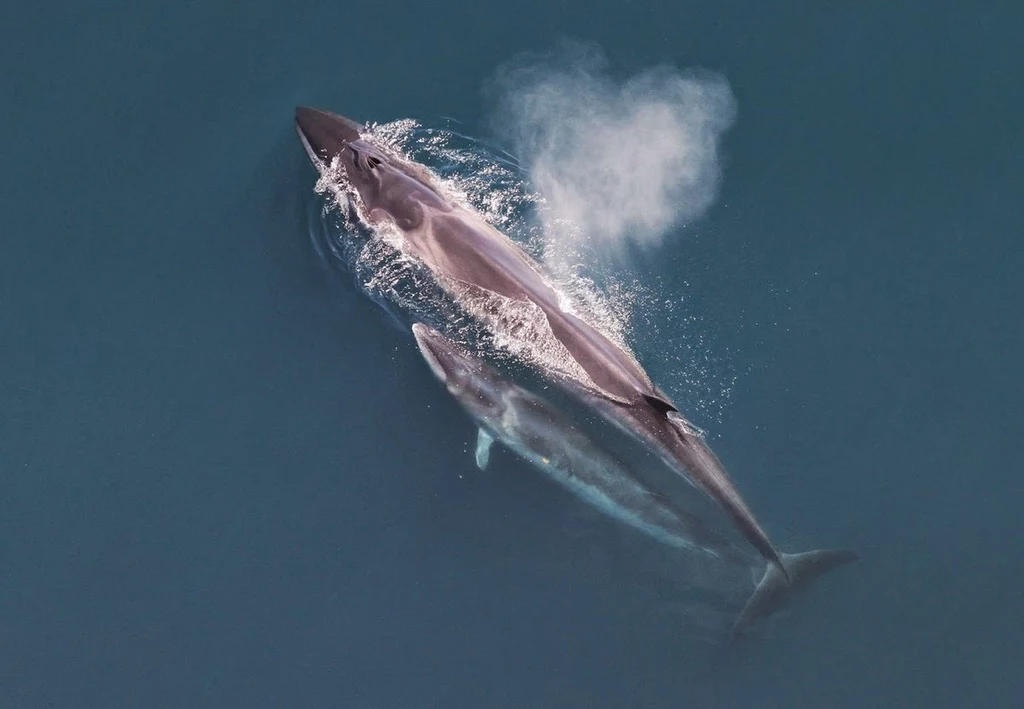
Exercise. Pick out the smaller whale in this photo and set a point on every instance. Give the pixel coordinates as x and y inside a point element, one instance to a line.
<point>538,433</point>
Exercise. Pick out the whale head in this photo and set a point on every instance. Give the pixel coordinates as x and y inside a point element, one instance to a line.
<point>386,184</point>
<point>476,385</point>
<point>326,136</point>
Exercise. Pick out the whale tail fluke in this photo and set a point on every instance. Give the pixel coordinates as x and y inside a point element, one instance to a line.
<point>774,591</point>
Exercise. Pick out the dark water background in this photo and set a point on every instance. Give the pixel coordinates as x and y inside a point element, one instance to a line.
<point>226,482</point>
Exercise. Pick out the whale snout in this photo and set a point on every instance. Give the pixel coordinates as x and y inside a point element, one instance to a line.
<point>324,134</point>
<point>433,348</point>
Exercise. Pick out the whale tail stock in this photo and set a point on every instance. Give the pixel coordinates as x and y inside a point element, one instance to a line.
<point>708,474</point>
<point>774,591</point>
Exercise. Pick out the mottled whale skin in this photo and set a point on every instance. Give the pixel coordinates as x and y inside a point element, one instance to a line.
<point>541,435</point>
<point>459,245</point>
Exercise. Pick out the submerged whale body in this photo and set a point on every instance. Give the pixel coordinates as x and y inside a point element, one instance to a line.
<point>472,259</point>
<point>537,432</point>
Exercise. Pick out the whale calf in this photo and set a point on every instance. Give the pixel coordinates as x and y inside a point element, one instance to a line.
<point>533,429</point>
<point>537,432</point>
<point>472,259</point>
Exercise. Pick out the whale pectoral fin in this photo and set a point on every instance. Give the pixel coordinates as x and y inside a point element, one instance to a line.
<point>484,441</point>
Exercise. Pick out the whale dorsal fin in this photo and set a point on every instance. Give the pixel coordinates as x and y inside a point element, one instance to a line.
<point>484,441</point>
<point>660,404</point>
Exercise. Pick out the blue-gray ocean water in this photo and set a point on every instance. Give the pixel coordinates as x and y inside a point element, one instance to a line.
<point>226,480</point>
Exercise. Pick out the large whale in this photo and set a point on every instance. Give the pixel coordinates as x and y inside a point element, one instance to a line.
<point>470,257</point>
<point>540,434</point>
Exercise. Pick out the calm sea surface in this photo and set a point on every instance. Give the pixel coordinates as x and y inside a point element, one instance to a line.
<point>227,481</point>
